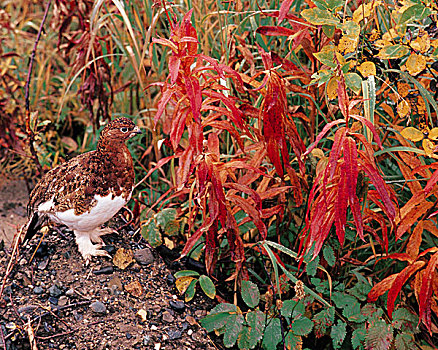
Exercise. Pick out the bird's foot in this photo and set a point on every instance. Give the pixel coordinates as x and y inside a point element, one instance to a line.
<point>95,234</point>
<point>88,249</point>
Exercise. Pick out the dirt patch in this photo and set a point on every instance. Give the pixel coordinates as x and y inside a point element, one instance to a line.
<point>71,306</point>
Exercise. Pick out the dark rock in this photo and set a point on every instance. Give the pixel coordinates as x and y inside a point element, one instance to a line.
<point>78,317</point>
<point>7,290</point>
<point>53,300</point>
<point>170,279</point>
<point>144,256</point>
<point>107,270</point>
<point>98,307</point>
<point>177,305</point>
<point>54,291</point>
<point>38,290</point>
<point>42,250</point>
<point>174,334</point>
<point>109,248</point>
<point>128,336</point>
<point>28,309</point>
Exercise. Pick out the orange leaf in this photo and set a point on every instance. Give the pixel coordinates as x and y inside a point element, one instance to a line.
<point>380,288</point>
<point>426,291</point>
<point>415,240</point>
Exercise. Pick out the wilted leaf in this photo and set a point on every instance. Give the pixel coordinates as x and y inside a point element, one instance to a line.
<point>421,43</point>
<point>415,64</point>
<point>332,87</point>
<point>182,283</point>
<point>426,291</point>
<point>351,29</point>
<point>347,44</point>
<point>412,134</point>
<point>123,258</point>
<point>367,69</point>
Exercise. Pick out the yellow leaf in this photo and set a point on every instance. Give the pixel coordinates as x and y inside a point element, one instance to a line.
<point>367,69</point>
<point>421,43</point>
<point>123,258</point>
<point>403,109</point>
<point>403,89</point>
<point>382,43</point>
<point>415,64</point>
<point>387,109</point>
<point>412,134</point>
<point>434,43</point>
<point>182,283</point>
<point>428,147</point>
<point>347,45</point>
<point>362,12</point>
<point>421,106</point>
<point>332,86</point>
<point>433,134</point>
<point>390,35</point>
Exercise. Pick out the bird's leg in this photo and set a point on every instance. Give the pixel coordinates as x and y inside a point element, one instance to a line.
<point>96,233</point>
<point>87,248</point>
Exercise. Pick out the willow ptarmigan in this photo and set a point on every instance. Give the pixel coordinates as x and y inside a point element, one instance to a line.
<point>88,190</point>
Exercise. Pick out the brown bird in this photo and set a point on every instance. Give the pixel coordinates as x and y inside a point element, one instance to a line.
<point>88,190</point>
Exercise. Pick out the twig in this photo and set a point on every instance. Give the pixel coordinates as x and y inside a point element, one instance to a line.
<point>29,131</point>
<point>31,335</point>
<point>3,338</point>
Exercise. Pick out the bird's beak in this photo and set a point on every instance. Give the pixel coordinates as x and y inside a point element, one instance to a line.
<point>135,131</point>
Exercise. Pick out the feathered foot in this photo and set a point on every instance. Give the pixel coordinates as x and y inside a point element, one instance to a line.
<point>87,248</point>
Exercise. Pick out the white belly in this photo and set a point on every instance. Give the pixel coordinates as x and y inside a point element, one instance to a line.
<point>105,208</point>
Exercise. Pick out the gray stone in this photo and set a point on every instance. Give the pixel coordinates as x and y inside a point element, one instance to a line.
<point>144,256</point>
<point>54,291</point>
<point>38,290</point>
<point>98,307</point>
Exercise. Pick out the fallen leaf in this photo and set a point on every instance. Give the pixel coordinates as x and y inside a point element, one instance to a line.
<point>415,64</point>
<point>123,258</point>
<point>403,89</point>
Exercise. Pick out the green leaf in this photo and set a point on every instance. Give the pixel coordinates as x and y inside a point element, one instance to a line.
<point>317,16</point>
<point>323,320</point>
<point>301,326</point>
<point>250,293</point>
<point>243,339</point>
<point>295,306</point>
<point>207,286</point>
<point>326,56</point>
<point>342,300</point>
<point>328,4</point>
<point>354,82</point>
<point>218,316</point>
<point>358,337</point>
<point>405,320</point>
<point>172,228</point>
<point>312,266</point>
<point>379,336</point>
<point>293,341</point>
<point>190,291</point>
<point>164,216</point>
<point>329,255</point>
<point>352,312</point>
<point>338,334</point>
<point>232,329</point>
<point>329,31</point>
<point>256,323</point>
<point>393,51</point>
<point>416,12</point>
<point>272,335</point>
<point>360,290</point>
<point>152,234</point>
<point>186,273</point>
<point>404,341</point>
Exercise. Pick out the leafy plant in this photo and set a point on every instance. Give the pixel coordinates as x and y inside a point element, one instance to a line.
<point>186,281</point>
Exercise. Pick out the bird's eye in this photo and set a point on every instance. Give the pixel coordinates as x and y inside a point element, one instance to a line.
<point>124,129</point>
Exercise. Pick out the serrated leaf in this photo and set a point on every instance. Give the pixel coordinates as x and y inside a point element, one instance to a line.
<point>404,320</point>
<point>352,312</point>
<point>393,51</point>
<point>292,306</point>
<point>301,326</point>
<point>329,255</point>
<point>404,341</point>
<point>250,293</point>
<point>379,336</point>
<point>338,333</point>
<point>342,300</point>
<point>207,286</point>
<point>317,16</point>
<point>232,329</point>
<point>323,320</point>
<point>358,337</point>
<point>218,316</point>
<point>293,341</point>
<point>311,266</point>
<point>256,322</point>
<point>272,335</point>
<point>360,290</point>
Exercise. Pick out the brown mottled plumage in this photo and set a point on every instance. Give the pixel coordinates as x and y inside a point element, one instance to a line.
<point>88,190</point>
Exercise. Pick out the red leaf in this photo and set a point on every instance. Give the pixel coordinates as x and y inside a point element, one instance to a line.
<point>251,211</point>
<point>164,100</point>
<point>245,189</point>
<point>370,126</point>
<point>275,31</point>
<point>284,9</point>
<point>399,282</point>
<point>341,210</point>
<point>380,288</point>
<point>432,182</point>
<point>426,291</point>
<point>326,128</point>
<point>174,63</point>
<point>211,244</point>
<point>178,127</point>
<point>194,95</point>
<point>336,150</point>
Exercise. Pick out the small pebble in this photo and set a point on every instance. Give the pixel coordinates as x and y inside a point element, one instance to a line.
<point>70,292</point>
<point>78,317</point>
<point>189,332</point>
<point>144,256</point>
<point>167,317</point>
<point>157,346</point>
<point>62,301</point>
<point>54,291</point>
<point>128,336</point>
<point>146,340</point>
<point>107,270</point>
<point>173,335</point>
<point>154,327</point>
<point>98,307</point>
<point>177,305</point>
<point>170,279</point>
<point>53,300</point>
<point>38,290</point>
<point>43,264</point>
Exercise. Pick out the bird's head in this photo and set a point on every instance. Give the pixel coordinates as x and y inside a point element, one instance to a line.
<point>120,129</point>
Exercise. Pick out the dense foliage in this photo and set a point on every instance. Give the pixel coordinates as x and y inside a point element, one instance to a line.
<point>291,148</point>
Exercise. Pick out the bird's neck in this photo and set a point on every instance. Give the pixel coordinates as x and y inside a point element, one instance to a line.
<point>115,150</point>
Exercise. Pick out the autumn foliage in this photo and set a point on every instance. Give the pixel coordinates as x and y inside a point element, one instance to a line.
<point>309,128</point>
